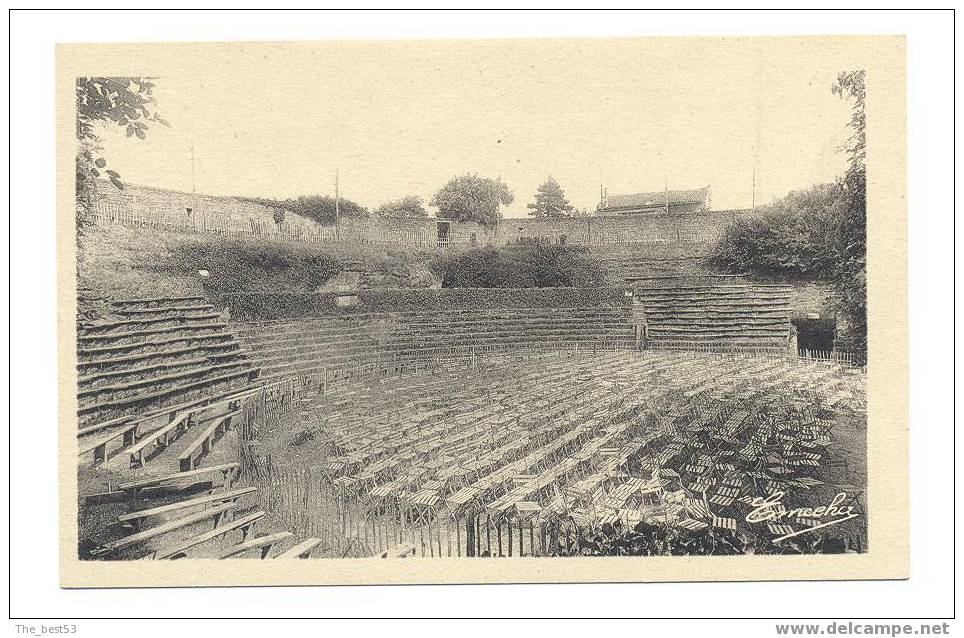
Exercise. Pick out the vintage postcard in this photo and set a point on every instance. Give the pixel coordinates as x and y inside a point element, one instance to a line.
<point>557,310</point>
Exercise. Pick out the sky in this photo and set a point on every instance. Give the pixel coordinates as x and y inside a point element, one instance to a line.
<point>395,118</point>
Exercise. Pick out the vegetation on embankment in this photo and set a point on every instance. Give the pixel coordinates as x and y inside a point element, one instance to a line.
<point>527,265</point>
<point>115,262</point>
<point>792,239</point>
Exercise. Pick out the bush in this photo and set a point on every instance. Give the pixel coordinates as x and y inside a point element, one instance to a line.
<point>814,235</point>
<point>793,238</point>
<point>242,265</point>
<point>530,265</point>
<point>645,539</point>
<point>318,208</point>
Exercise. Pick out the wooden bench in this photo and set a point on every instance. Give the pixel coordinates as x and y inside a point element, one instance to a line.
<point>154,532</point>
<point>217,426</point>
<point>162,436</point>
<point>103,425</point>
<point>402,550</point>
<point>138,517</point>
<point>245,524</point>
<point>151,301</point>
<point>127,433</point>
<point>301,550</point>
<point>226,470</point>
<point>264,543</point>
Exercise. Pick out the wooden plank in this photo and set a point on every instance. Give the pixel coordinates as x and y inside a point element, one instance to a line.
<point>121,303</point>
<point>244,523</point>
<point>164,528</point>
<point>103,425</point>
<point>402,550</point>
<point>157,480</point>
<point>136,451</point>
<point>301,550</point>
<point>264,543</point>
<point>172,507</point>
<point>98,445</point>
<point>202,443</point>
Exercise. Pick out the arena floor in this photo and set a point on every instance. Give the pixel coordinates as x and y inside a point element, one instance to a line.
<point>513,455</point>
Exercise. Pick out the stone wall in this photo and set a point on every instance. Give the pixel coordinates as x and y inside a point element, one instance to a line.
<point>141,206</point>
<point>144,206</point>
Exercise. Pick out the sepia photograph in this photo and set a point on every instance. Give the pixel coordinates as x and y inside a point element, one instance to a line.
<point>351,310</point>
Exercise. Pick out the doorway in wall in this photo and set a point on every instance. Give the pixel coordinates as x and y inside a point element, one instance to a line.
<point>815,335</point>
<point>443,233</point>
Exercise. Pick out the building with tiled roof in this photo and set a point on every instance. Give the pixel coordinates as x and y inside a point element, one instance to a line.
<point>694,200</point>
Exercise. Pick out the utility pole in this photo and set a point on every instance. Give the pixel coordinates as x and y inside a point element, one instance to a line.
<point>193,175</point>
<point>336,203</point>
<point>753,190</point>
<point>666,188</point>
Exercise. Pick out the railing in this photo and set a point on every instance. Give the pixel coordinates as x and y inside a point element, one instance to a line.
<point>834,356</point>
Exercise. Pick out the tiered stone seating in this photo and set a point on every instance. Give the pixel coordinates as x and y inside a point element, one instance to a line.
<point>307,346</point>
<point>150,353</point>
<point>158,514</point>
<point>719,317</point>
<point>161,382</point>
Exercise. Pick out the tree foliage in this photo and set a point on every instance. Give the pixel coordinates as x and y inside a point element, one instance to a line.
<point>527,265</point>
<point>409,207</point>
<point>127,102</point>
<point>792,238</point>
<point>550,201</point>
<point>819,233</point>
<point>851,229</point>
<point>470,198</point>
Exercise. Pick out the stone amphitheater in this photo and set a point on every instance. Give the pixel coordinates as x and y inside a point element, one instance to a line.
<point>454,423</point>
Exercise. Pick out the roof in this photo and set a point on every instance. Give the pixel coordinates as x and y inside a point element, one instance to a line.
<point>658,198</point>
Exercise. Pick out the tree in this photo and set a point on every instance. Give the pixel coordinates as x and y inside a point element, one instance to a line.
<point>470,198</point>
<point>792,238</point>
<point>127,102</point>
<point>819,233</point>
<point>550,201</point>
<point>851,230</point>
<point>409,207</point>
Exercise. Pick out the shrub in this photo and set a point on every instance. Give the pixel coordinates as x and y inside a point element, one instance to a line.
<point>793,238</point>
<point>238,265</point>
<point>318,208</point>
<point>529,265</point>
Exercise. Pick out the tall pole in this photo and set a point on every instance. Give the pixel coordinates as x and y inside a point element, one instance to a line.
<point>336,203</point>
<point>666,188</point>
<point>193,176</point>
<point>753,189</point>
